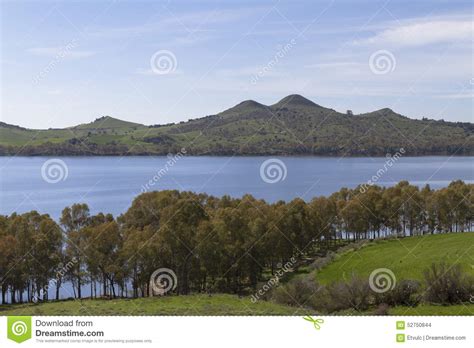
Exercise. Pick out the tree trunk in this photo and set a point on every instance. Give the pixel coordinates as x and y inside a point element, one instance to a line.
<point>58,286</point>
<point>104,285</point>
<point>79,293</point>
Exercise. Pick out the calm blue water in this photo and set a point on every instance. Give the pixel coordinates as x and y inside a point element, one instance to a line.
<point>109,184</point>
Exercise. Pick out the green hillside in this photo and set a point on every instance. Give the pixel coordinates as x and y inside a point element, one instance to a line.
<point>406,257</point>
<point>107,123</point>
<point>292,126</point>
<point>168,305</point>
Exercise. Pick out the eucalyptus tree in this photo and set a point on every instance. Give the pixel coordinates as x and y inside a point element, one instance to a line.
<point>45,253</point>
<point>74,219</point>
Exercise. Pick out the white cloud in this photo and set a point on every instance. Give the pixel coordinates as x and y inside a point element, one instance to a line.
<point>462,95</point>
<point>423,32</point>
<point>177,23</point>
<point>64,52</point>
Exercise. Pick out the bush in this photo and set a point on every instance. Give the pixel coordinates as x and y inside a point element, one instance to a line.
<point>447,284</point>
<point>405,293</point>
<point>321,262</point>
<point>353,294</point>
<point>299,292</point>
<point>382,309</point>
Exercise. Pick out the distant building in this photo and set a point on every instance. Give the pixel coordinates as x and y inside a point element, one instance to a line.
<point>350,113</point>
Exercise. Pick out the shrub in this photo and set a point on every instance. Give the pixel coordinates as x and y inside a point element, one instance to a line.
<point>447,284</point>
<point>321,262</point>
<point>382,309</point>
<point>353,294</point>
<point>299,292</point>
<point>405,293</point>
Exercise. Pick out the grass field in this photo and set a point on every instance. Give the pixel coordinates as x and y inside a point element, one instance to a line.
<point>200,305</point>
<point>462,309</point>
<point>406,257</point>
<point>168,305</point>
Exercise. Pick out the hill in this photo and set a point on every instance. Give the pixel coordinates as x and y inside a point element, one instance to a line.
<point>406,257</point>
<point>107,123</point>
<point>292,126</point>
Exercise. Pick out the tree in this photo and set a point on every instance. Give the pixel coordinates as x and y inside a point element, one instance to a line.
<point>74,219</point>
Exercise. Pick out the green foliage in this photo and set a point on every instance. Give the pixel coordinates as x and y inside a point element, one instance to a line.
<point>300,292</point>
<point>448,284</point>
<point>293,126</point>
<point>352,294</point>
<point>30,250</point>
<point>405,293</point>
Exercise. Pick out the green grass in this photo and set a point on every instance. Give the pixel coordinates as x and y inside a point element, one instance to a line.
<point>406,257</point>
<point>462,309</point>
<point>200,305</point>
<point>168,305</point>
<point>421,309</point>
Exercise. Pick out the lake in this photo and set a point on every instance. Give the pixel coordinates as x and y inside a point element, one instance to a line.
<point>109,184</point>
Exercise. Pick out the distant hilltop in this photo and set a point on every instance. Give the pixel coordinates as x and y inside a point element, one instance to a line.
<point>293,126</point>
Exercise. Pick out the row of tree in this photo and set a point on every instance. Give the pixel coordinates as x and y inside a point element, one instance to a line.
<point>212,244</point>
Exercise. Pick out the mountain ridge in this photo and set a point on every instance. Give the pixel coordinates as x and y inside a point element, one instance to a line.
<point>294,125</point>
<point>294,100</point>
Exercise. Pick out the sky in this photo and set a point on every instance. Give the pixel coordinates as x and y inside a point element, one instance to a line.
<point>68,62</point>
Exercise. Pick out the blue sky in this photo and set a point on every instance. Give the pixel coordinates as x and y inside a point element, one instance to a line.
<point>69,62</point>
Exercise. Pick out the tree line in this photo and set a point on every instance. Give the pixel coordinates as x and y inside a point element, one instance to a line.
<point>212,244</point>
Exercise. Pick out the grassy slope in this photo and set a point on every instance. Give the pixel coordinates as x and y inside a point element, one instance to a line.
<point>101,131</point>
<point>168,305</point>
<point>406,257</point>
<point>107,122</point>
<point>294,125</point>
<point>462,309</point>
